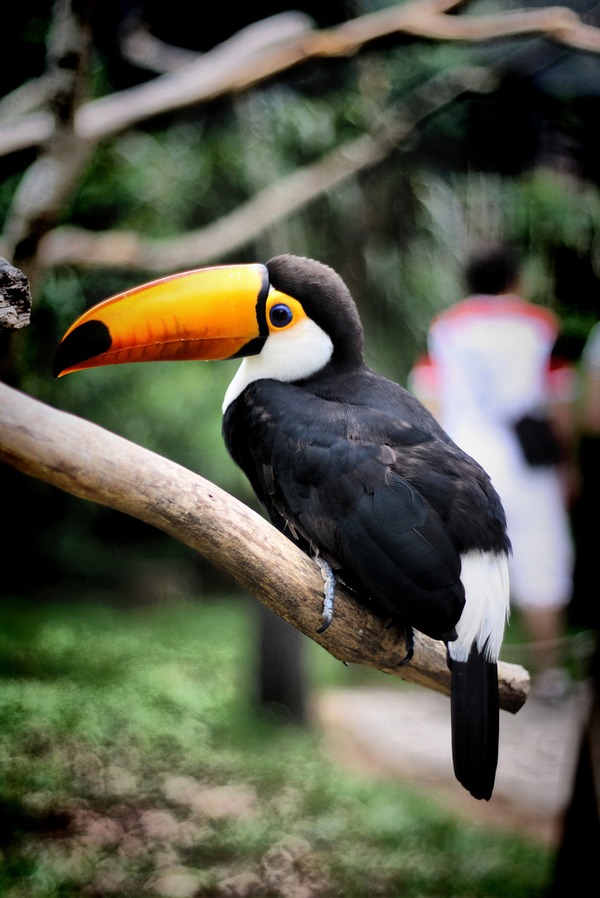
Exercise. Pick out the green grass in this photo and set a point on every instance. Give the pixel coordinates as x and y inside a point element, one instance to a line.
<point>113,720</point>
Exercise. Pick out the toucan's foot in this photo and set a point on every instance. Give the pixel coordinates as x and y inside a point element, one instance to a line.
<point>328,592</point>
<point>409,638</point>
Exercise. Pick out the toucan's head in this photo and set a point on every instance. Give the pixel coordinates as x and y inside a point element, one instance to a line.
<point>290,317</point>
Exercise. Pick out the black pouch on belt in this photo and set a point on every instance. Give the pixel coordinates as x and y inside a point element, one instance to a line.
<point>538,441</point>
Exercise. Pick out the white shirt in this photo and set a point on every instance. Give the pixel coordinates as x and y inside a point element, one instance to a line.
<point>490,363</point>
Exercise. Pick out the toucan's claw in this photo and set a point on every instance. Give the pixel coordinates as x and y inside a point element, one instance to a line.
<point>410,646</point>
<point>409,637</point>
<point>328,592</point>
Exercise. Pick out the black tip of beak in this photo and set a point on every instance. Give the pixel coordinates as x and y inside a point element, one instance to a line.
<point>88,340</point>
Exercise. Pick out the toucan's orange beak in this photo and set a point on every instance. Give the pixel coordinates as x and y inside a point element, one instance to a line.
<point>210,313</point>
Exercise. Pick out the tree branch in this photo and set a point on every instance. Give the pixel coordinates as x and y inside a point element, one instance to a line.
<point>48,183</point>
<point>234,66</point>
<point>249,57</point>
<point>76,246</point>
<point>37,440</point>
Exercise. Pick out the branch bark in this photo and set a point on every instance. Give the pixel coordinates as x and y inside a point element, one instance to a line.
<point>37,440</point>
<point>15,297</point>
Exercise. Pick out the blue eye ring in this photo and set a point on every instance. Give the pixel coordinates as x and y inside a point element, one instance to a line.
<point>280,315</point>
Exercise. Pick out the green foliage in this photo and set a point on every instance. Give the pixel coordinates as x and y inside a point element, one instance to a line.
<point>112,719</point>
<point>557,210</point>
<point>161,183</point>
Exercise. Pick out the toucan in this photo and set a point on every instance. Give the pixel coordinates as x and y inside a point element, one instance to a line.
<point>346,463</point>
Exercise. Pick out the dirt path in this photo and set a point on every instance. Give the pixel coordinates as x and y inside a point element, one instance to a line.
<point>405,732</point>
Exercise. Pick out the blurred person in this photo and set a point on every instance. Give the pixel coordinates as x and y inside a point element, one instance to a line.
<point>489,378</point>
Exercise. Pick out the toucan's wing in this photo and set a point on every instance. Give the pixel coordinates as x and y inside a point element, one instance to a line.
<point>319,475</point>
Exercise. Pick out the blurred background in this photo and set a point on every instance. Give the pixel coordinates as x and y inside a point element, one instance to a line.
<point>388,161</point>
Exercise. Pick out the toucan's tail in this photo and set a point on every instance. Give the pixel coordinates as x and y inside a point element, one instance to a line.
<point>475,714</point>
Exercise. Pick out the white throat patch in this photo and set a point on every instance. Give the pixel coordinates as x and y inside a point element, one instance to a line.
<point>287,355</point>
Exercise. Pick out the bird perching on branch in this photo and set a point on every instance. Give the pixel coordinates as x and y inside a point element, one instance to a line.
<point>349,465</point>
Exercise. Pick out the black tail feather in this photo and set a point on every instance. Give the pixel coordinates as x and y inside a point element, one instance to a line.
<point>475,714</point>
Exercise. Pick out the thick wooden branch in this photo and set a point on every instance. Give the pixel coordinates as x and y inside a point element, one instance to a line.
<point>104,468</point>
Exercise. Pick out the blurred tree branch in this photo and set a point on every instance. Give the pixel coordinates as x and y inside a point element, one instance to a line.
<point>268,48</point>
<point>69,129</point>
<point>49,182</point>
<point>76,246</point>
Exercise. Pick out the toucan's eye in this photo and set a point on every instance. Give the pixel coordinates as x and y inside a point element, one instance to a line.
<point>280,315</point>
